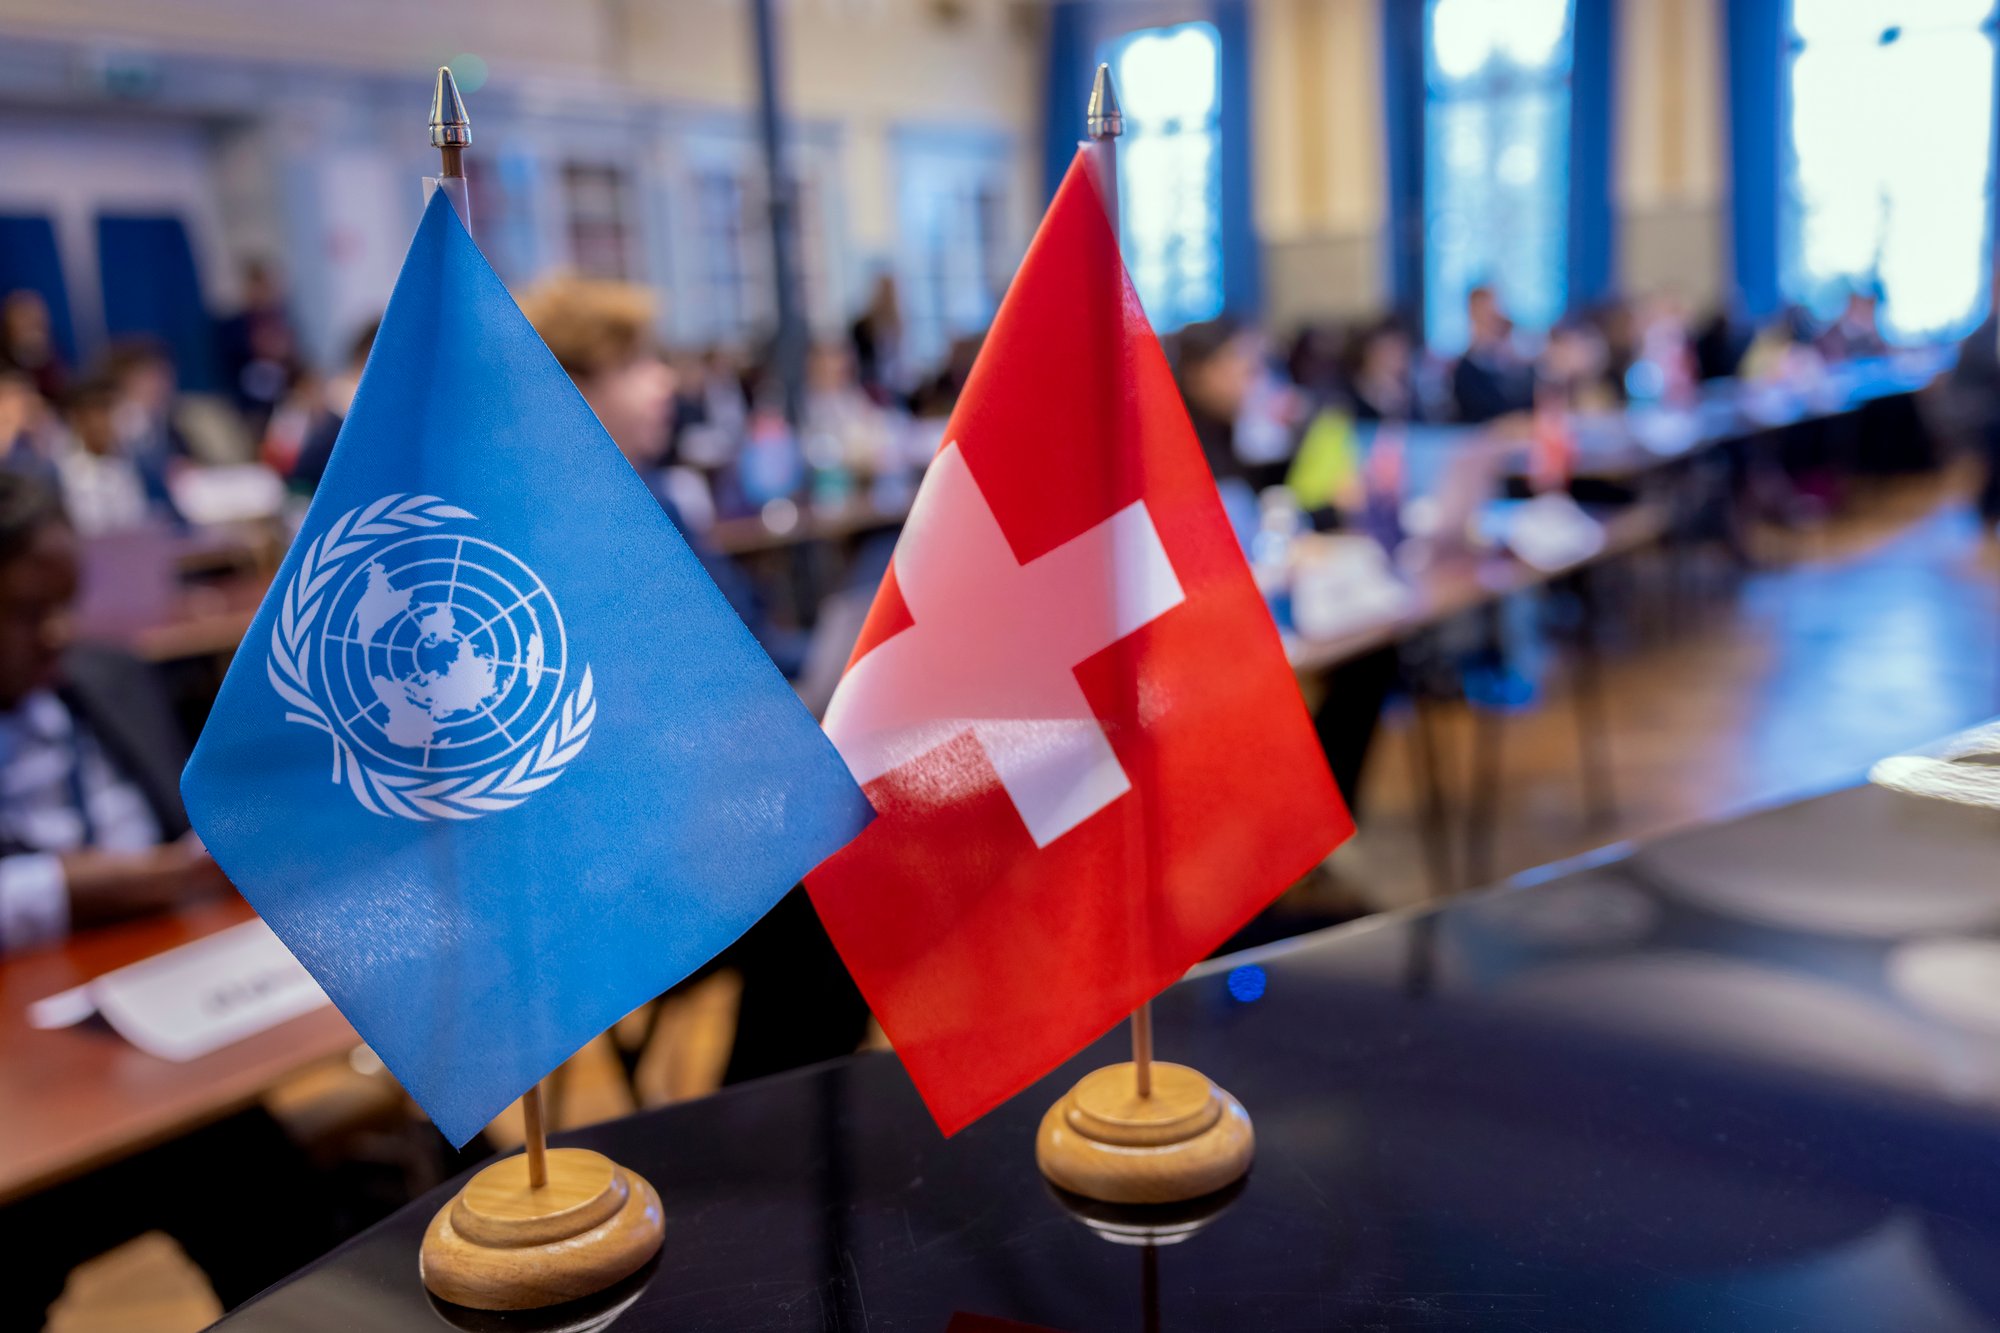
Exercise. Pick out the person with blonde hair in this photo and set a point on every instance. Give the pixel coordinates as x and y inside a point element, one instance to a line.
<point>602,333</point>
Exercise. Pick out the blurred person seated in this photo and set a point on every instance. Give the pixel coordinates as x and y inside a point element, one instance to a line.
<point>709,411</point>
<point>327,411</point>
<point>877,339</point>
<point>1857,332</point>
<point>1320,360</point>
<point>1720,342</point>
<point>1574,369</point>
<point>92,831</point>
<point>1216,366</point>
<point>105,489</point>
<point>847,432</point>
<point>28,344</point>
<point>601,333</point>
<point>1493,377</point>
<point>27,429</point>
<point>1663,367</point>
<point>1380,380</point>
<point>147,385</point>
<point>937,395</point>
<point>1784,351</point>
<point>91,824</point>
<point>258,348</point>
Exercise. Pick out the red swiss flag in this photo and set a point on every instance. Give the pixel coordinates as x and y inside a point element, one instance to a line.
<point>1090,761</point>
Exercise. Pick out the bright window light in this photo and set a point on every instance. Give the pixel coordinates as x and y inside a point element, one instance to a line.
<point>1496,160</point>
<point>1891,153</point>
<point>1169,169</point>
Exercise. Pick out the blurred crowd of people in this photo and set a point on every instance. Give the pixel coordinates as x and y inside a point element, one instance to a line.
<point>1251,402</point>
<point>721,443</point>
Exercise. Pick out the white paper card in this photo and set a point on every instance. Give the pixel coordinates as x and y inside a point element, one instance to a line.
<point>198,998</point>
<point>1550,533</point>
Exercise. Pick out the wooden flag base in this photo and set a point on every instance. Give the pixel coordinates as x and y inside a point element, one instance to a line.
<point>1185,1139</point>
<point>505,1245</point>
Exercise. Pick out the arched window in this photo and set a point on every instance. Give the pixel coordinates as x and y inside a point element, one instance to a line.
<point>1889,188</point>
<point>1169,169</point>
<point>1496,160</point>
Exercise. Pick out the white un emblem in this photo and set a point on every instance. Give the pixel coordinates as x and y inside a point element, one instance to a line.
<point>435,660</point>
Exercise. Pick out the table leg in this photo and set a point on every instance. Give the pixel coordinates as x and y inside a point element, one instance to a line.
<point>1433,809</point>
<point>1482,807</point>
<point>1587,699</point>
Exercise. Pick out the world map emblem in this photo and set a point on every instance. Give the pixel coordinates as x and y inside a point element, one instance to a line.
<point>435,660</point>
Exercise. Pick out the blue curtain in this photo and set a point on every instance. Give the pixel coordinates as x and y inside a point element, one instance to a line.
<point>1593,231</point>
<point>1067,88</point>
<point>1077,30</point>
<point>151,289</point>
<point>1754,38</point>
<point>1403,90</point>
<point>1242,257</point>
<point>28,259</point>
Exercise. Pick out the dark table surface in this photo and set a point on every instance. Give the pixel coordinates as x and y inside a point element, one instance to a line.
<point>1745,1077</point>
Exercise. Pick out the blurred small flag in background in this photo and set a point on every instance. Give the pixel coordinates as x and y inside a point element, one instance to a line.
<point>497,761</point>
<point>1069,704</point>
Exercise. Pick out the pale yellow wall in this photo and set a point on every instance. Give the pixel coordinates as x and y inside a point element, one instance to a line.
<point>1670,141</point>
<point>370,34</point>
<point>1670,162</point>
<point>1322,195</point>
<point>869,67</point>
<point>865,66</point>
<point>1322,191</point>
<point>1318,118</point>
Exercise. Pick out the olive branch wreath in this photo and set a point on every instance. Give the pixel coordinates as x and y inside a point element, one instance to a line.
<point>306,596</point>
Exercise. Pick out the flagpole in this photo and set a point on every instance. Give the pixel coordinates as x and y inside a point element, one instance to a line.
<point>538,1143</point>
<point>451,135</point>
<point>548,1227</point>
<point>1103,122</point>
<point>1153,1132</point>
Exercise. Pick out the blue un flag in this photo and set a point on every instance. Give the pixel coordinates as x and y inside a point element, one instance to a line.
<point>496,760</point>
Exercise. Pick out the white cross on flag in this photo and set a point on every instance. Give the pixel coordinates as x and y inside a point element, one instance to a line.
<point>1089,760</point>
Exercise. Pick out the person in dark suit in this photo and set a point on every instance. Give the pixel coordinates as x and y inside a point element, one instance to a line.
<point>91,824</point>
<point>1492,378</point>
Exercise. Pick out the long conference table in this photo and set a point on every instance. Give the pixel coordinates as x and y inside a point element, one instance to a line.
<point>1746,1077</point>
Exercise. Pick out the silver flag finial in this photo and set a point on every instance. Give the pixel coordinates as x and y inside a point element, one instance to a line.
<point>450,126</point>
<point>1102,119</point>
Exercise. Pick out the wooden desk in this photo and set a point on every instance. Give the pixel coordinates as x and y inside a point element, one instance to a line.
<point>76,1098</point>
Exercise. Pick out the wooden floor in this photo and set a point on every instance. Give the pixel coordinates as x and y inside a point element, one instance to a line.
<point>1878,632</point>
